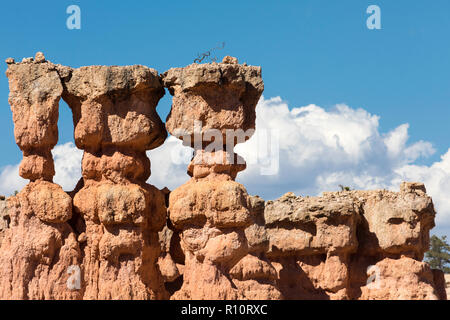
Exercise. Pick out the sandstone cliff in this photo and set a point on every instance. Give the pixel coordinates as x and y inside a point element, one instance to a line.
<point>329,246</point>
<point>117,237</point>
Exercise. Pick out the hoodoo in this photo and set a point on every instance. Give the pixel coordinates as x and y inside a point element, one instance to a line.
<point>215,215</point>
<point>117,237</point>
<point>119,214</point>
<point>39,246</point>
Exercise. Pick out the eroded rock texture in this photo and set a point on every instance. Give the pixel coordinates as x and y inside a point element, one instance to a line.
<point>217,242</point>
<point>115,123</point>
<point>39,245</point>
<point>212,211</point>
<point>109,230</point>
<point>353,245</point>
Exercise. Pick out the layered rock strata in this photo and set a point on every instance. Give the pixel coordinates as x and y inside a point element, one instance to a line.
<point>115,123</point>
<point>111,237</point>
<point>212,212</point>
<point>353,245</point>
<point>103,244</point>
<point>39,246</point>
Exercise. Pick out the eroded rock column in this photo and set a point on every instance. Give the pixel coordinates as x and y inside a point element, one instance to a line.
<point>39,246</point>
<point>115,123</point>
<point>212,211</point>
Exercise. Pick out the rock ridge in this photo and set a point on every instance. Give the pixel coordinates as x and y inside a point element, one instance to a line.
<point>117,237</point>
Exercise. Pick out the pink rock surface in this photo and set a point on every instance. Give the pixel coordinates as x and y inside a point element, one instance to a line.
<point>115,122</point>
<point>35,255</point>
<point>212,211</point>
<point>35,90</point>
<point>215,241</point>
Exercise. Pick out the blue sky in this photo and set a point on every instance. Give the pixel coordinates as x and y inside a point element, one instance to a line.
<point>311,51</point>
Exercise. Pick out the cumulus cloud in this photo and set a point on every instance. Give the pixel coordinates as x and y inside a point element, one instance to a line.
<point>67,159</point>
<point>169,164</point>
<point>67,167</point>
<point>306,150</point>
<point>10,180</point>
<point>320,149</point>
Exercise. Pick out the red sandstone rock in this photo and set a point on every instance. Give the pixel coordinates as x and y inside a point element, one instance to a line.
<point>36,255</point>
<point>397,223</point>
<point>115,106</point>
<point>115,123</point>
<point>220,243</point>
<point>35,91</point>
<point>4,219</point>
<point>401,279</point>
<point>323,247</point>
<point>212,211</point>
<point>39,247</point>
<point>220,95</point>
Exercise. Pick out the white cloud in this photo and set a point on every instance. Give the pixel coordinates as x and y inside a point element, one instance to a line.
<point>318,150</point>
<point>321,149</point>
<point>169,164</point>
<point>10,180</point>
<point>67,167</point>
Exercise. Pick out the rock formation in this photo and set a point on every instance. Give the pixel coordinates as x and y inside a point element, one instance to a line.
<point>212,211</point>
<point>113,238</point>
<point>39,245</point>
<point>447,283</point>
<point>115,122</point>
<point>108,233</point>
<point>353,245</point>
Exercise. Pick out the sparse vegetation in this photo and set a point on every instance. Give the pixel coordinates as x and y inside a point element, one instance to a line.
<point>207,54</point>
<point>344,188</point>
<point>439,254</point>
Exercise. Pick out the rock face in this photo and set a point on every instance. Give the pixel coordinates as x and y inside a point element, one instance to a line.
<point>35,90</point>
<point>353,245</point>
<point>212,211</point>
<point>115,123</point>
<point>113,237</point>
<point>104,235</point>
<point>39,246</point>
<point>218,96</point>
